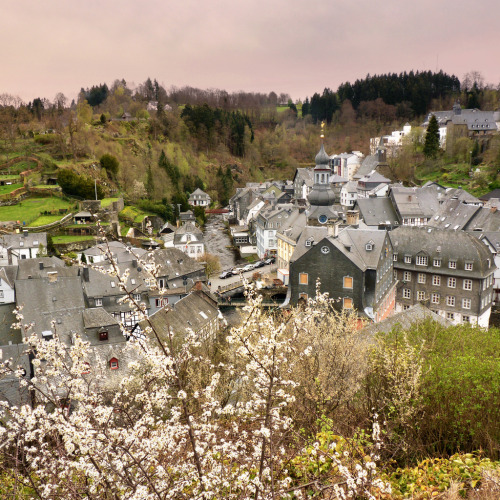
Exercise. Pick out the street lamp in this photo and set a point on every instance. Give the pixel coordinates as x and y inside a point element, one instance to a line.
<point>470,162</point>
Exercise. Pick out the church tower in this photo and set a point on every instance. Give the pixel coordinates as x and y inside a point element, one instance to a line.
<point>321,197</point>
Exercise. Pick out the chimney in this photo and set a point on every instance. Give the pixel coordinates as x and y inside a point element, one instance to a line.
<point>333,230</point>
<point>25,233</point>
<point>134,262</point>
<point>197,285</point>
<point>352,217</point>
<point>493,210</point>
<point>85,274</point>
<point>52,276</point>
<point>40,264</point>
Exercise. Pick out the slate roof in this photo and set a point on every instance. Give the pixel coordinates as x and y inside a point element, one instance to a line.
<point>45,301</point>
<point>42,266</point>
<point>375,211</point>
<point>29,240</point>
<point>445,245</point>
<point>352,243</point>
<point>492,194</point>
<point>369,163</point>
<point>7,319</point>
<point>476,120</point>
<point>8,274</point>
<point>316,233</point>
<point>96,317</point>
<point>10,389</point>
<point>120,251</point>
<point>173,262</point>
<point>405,320</point>
<point>375,176</point>
<point>193,312</point>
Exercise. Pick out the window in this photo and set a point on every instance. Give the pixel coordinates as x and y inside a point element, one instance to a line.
<point>303,278</point>
<point>450,301</point>
<point>303,296</point>
<point>468,266</point>
<point>406,293</point>
<point>103,335</point>
<point>421,278</point>
<point>450,316</point>
<point>308,243</point>
<point>407,276</point>
<point>466,303</point>
<point>347,282</point>
<point>452,264</point>
<point>452,282</point>
<point>347,303</point>
<point>421,260</point>
<point>137,296</point>
<point>436,280</point>
<point>436,262</point>
<point>407,259</point>
<point>1,294</point>
<point>435,298</point>
<point>368,247</point>
<point>420,295</point>
<point>113,284</point>
<point>98,302</point>
<point>395,257</point>
<point>406,307</point>
<point>161,302</point>
<point>465,319</point>
<point>113,364</point>
<point>467,284</point>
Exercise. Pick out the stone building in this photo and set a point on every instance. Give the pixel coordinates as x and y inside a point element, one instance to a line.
<point>450,271</point>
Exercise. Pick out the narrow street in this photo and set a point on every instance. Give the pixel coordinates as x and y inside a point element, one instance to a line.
<point>217,242</point>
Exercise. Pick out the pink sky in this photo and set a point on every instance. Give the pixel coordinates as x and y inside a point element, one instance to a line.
<point>293,46</point>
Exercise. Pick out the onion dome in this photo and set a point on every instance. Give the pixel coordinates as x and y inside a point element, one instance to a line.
<point>321,195</point>
<point>322,158</point>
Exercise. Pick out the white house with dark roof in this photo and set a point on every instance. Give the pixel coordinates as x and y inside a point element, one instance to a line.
<point>19,246</point>
<point>199,198</point>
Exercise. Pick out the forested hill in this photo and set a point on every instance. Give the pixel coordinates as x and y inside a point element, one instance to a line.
<point>407,95</point>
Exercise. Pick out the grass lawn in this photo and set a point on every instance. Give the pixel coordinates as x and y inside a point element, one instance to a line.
<point>70,239</point>
<point>135,214</point>
<point>8,177</point>
<point>30,208</point>
<point>45,219</point>
<point>106,202</point>
<point>10,188</point>
<point>47,186</point>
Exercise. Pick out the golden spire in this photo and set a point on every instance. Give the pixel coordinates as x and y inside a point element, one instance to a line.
<point>322,136</point>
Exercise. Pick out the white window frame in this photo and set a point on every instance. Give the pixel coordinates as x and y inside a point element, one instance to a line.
<point>407,276</point>
<point>436,262</point>
<point>468,266</point>
<point>98,302</point>
<point>467,284</point>
<point>406,293</point>
<point>421,278</point>
<point>420,295</point>
<point>422,260</point>
<point>452,264</point>
<point>466,303</point>
<point>452,282</point>
<point>436,280</point>
<point>407,259</point>
<point>435,298</point>
<point>450,300</point>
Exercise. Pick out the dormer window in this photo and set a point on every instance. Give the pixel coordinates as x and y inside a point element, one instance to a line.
<point>113,364</point>
<point>103,335</point>
<point>421,260</point>
<point>369,246</point>
<point>113,284</point>
<point>407,259</point>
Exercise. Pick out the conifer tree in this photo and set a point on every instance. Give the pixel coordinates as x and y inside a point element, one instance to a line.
<point>431,145</point>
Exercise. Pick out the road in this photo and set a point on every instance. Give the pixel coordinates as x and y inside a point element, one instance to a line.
<point>216,281</point>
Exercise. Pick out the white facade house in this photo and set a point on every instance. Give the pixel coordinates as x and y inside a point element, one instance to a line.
<point>7,278</point>
<point>392,142</point>
<point>189,239</point>
<point>349,194</point>
<point>19,246</point>
<point>199,198</point>
<point>346,164</point>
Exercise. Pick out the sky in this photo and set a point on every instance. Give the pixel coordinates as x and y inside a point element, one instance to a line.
<point>294,46</point>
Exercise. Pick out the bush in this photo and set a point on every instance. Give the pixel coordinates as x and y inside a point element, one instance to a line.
<point>78,185</point>
<point>110,164</point>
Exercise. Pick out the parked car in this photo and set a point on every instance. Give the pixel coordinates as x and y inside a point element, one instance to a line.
<point>260,263</point>
<point>248,267</point>
<point>226,274</point>
<point>271,260</point>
